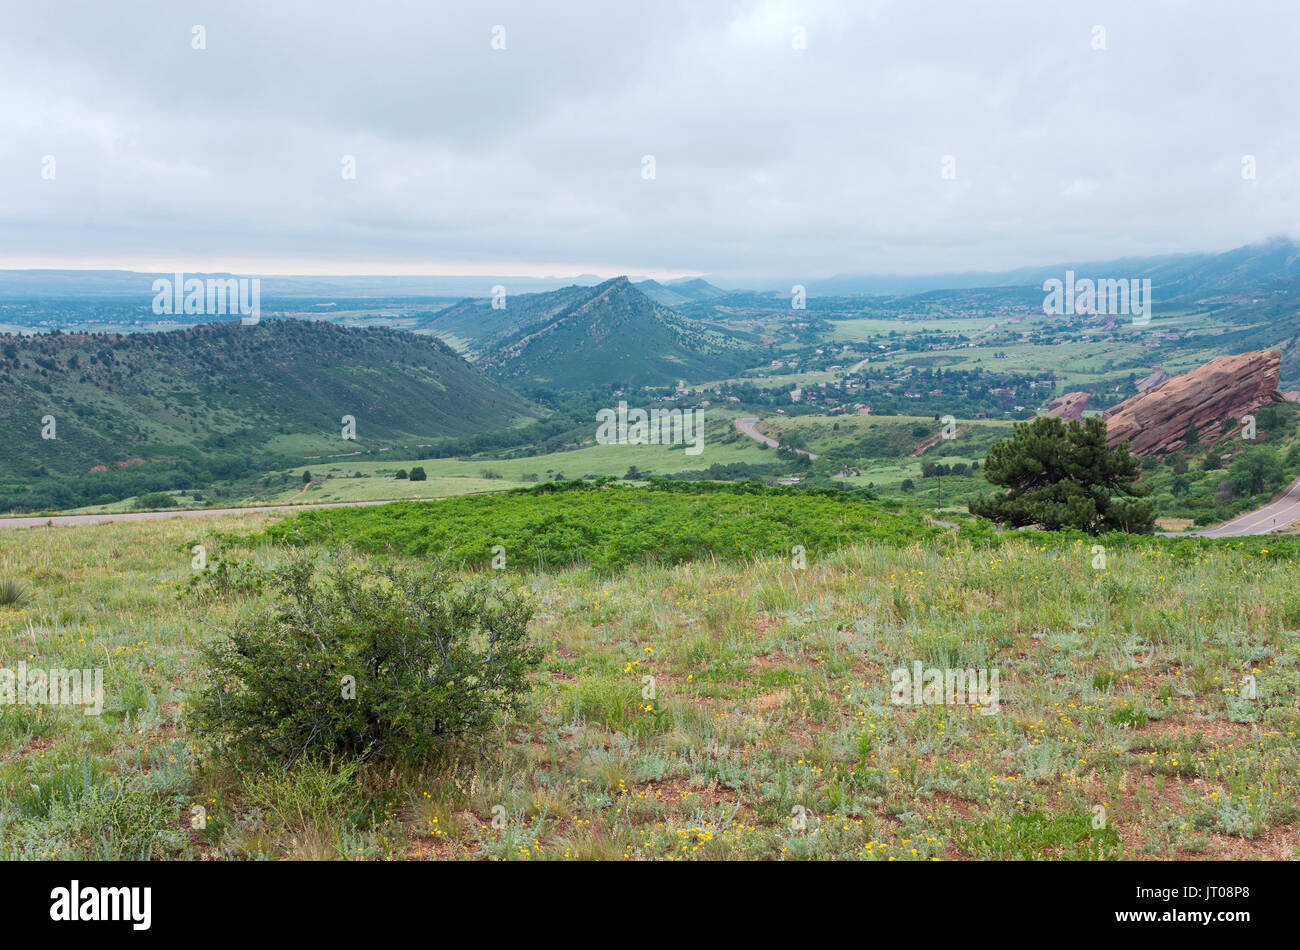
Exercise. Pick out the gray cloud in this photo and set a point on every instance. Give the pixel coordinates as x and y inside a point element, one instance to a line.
<point>769,160</point>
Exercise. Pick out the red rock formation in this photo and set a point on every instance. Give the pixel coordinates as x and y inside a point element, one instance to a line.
<point>1157,377</point>
<point>1069,406</point>
<point>1157,420</point>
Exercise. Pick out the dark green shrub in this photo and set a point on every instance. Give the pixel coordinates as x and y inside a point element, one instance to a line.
<point>1064,475</point>
<point>367,665</point>
<point>155,499</point>
<point>418,474</point>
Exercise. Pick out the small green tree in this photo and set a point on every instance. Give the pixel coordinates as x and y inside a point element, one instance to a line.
<point>1256,470</point>
<point>306,477</point>
<point>1062,475</point>
<point>418,474</point>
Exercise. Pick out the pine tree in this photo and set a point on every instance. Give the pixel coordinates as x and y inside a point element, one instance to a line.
<point>1063,475</point>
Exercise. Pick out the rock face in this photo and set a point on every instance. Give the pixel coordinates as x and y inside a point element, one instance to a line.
<point>1157,377</point>
<point>1070,406</point>
<point>1156,421</point>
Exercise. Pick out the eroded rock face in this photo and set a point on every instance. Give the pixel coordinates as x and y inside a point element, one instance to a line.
<point>1157,377</point>
<point>1156,421</point>
<point>1069,406</point>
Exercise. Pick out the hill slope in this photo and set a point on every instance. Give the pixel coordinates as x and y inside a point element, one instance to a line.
<point>280,387</point>
<point>474,325</point>
<point>678,292</point>
<point>610,334</point>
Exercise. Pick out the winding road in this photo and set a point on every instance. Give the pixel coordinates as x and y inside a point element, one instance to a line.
<point>1276,515</point>
<point>748,425</point>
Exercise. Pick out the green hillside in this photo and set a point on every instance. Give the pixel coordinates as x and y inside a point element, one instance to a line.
<point>613,334</point>
<point>474,325</point>
<point>211,400</point>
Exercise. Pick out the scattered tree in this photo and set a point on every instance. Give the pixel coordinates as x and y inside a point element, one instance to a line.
<point>1063,475</point>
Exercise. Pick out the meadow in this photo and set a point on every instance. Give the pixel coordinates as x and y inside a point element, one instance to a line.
<point>711,708</point>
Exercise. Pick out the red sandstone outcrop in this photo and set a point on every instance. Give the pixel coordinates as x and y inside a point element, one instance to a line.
<point>1157,377</point>
<point>1156,421</point>
<point>1070,406</point>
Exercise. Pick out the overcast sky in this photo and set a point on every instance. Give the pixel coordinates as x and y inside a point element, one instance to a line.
<point>768,159</point>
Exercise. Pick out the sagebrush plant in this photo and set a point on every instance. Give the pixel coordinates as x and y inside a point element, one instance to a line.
<point>356,663</point>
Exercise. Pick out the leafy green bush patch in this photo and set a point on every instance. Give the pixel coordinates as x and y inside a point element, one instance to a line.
<point>357,664</point>
<point>610,526</point>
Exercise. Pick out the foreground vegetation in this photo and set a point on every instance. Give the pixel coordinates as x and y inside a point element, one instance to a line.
<point>608,526</point>
<point>705,709</point>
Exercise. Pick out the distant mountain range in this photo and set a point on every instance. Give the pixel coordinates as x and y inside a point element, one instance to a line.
<point>577,337</point>
<point>678,292</point>
<point>1173,276</point>
<point>225,390</point>
<point>1269,263</point>
<point>77,284</point>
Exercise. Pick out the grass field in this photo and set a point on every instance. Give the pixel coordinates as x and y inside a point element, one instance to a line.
<point>1123,727</point>
<point>462,476</point>
<point>335,478</point>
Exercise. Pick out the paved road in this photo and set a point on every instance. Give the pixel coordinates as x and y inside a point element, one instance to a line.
<point>187,513</point>
<point>748,425</point>
<point>1274,516</point>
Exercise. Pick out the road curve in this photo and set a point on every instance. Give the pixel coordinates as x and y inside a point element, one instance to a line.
<point>1274,516</point>
<point>748,425</point>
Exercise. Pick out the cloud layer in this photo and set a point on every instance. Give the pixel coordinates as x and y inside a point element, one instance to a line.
<point>768,158</point>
